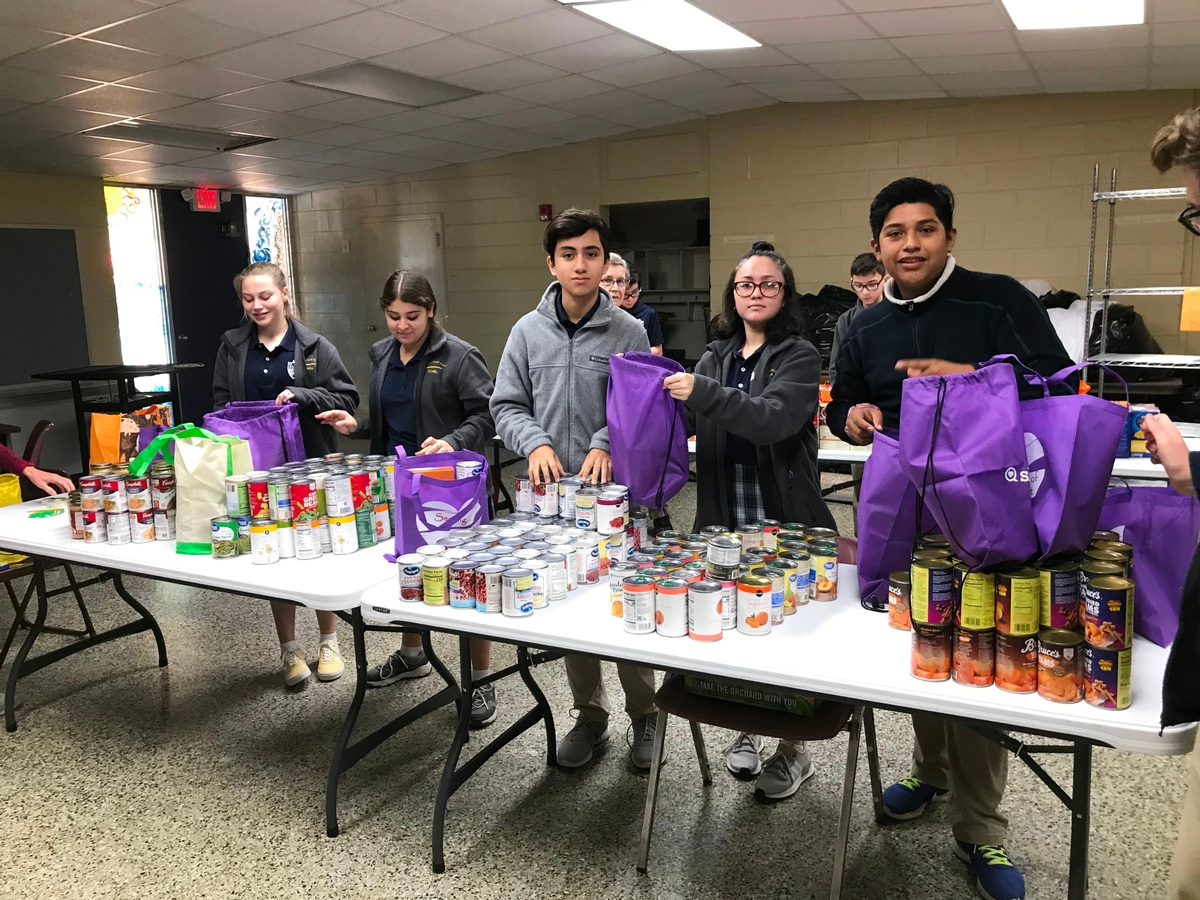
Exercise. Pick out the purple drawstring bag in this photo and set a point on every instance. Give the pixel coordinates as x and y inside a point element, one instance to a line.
<point>887,525</point>
<point>1163,527</point>
<point>429,508</point>
<point>962,446</point>
<point>647,428</point>
<point>273,432</point>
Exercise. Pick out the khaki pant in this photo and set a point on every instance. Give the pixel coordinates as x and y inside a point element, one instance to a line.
<point>587,688</point>
<point>948,754</point>
<point>1185,865</point>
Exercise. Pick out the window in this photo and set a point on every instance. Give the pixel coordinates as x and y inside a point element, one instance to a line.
<point>268,234</point>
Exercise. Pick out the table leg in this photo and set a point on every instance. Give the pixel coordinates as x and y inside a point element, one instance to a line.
<point>542,704</point>
<point>14,674</point>
<point>1081,797</point>
<point>360,689</point>
<point>446,786</point>
<point>150,621</point>
<point>873,765</point>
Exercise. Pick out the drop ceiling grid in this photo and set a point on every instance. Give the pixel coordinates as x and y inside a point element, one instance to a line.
<point>547,75</point>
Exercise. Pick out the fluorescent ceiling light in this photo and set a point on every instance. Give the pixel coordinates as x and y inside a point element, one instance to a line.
<point>673,24</point>
<point>1032,15</point>
<point>143,132</point>
<point>381,83</point>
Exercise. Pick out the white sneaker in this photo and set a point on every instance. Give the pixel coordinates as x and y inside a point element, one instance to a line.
<point>743,757</point>
<point>295,667</point>
<point>785,771</point>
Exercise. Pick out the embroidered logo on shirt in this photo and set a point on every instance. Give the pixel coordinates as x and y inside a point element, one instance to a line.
<point>291,367</point>
<point>310,365</point>
<point>598,359</point>
<point>435,367</point>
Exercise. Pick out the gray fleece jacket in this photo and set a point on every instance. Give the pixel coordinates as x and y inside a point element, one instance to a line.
<point>551,388</point>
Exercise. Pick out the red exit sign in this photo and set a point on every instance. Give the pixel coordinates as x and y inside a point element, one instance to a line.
<point>206,200</point>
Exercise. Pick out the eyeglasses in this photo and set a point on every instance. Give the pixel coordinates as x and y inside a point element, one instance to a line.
<point>768,289</point>
<point>1190,219</point>
<point>614,282</point>
<point>865,288</point>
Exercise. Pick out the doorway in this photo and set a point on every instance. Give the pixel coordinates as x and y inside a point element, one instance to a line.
<point>413,243</point>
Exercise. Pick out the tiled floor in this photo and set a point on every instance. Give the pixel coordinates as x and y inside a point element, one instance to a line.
<point>206,779</point>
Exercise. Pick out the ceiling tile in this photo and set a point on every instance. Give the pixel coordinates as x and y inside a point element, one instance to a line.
<point>21,137</point>
<point>277,58</point>
<point>747,57</point>
<point>16,39</point>
<point>119,100</point>
<point>1085,38</point>
<point>809,30</point>
<point>173,32</point>
<point>957,44</point>
<point>352,109</point>
<point>334,155</point>
<point>280,96</point>
<point>866,68</point>
<point>737,11</point>
<point>409,121</point>
<point>518,141</point>
<point>728,99</point>
<point>1175,56</point>
<point>154,154</point>
<point>1126,57</point>
<point>535,115</point>
<point>1176,11</point>
<point>86,58</point>
<point>806,91</point>
<point>345,135</point>
<point>397,143</point>
<point>56,118</point>
<point>597,104</point>
<point>194,80</point>
<point>560,90</point>
<point>180,176</point>
<point>82,145</point>
<point>1096,79</point>
<point>979,84</point>
<point>288,148</point>
<point>911,22</point>
<point>441,57</point>
<point>984,62</point>
<point>1177,34</point>
<point>871,6</point>
<point>230,162</point>
<point>451,152</point>
<point>503,76</point>
<point>682,85</point>
<point>463,132</point>
<point>68,16</point>
<point>273,17</point>
<point>7,106</point>
<point>463,15</point>
<point>102,168</point>
<point>581,128</point>
<point>282,125</point>
<point>540,31</point>
<point>35,87</point>
<point>840,51</point>
<point>283,166</point>
<point>206,114</point>
<point>767,74</point>
<point>399,165</point>
<point>653,68</point>
<point>367,33</point>
<point>1185,76</point>
<point>908,86</point>
<point>649,114</point>
<point>607,50</point>
<point>481,105</point>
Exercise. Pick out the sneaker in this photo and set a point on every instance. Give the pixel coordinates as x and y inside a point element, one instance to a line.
<point>483,706</point>
<point>744,756</point>
<point>577,748</point>
<point>329,662</point>
<point>908,797</point>
<point>996,876</point>
<point>295,668</point>
<point>398,668</point>
<point>641,745</point>
<point>785,771</point>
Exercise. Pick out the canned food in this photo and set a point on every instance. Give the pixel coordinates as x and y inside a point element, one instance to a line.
<point>1060,665</point>
<point>460,580</point>
<point>224,537</point>
<point>434,576</point>
<point>139,495</point>
<point>610,514</point>
<point>308,540</point>
<point>616,585</point>
<point>588,560</point>
<point>1121,548</point>
<point>705,611</point>
<point>343,535</point>
<point>638,530</point>
<point>524,494</point>
<point>778,590</point>
<point>934,539</point>
<point>568,487</point>
<point>791,577</point>
<point>803,563</point>
<point>362,490</point>
<point>1105,536</point>
<point>91,493</point>
<point>264,543</point>
<point>1106,676</point>
<point>1017,663</point>
<point>516,598</point>
<point>750,536</point>
<point>468,469</point>
<point>813,535</point>
<point>243,523</point>
<point>279,498</point>
<point>974,598</point>
<point>75,515</point>
<point>412,584</point>
<point>671,607</point>
<point>164,524</point>
<point>1107,612</point>
<point>585,508</point>
<point>931,651</point>
<point>932,597</point>
<point>1059,593</point>
<point>141,526</point>
<point>545,500</point>
<point>974,662</point>
<point>339,498</point>
<point>1095,555</point>
<point>931,553</point>
<point>541,586</point>
<point>489,588</point>
<point>823,569</point>
<point>162,486</point>
<point>116,498</point>
<point>1018,600</point>
<point>556,575</point>
<point>119,530</point>
<point>770,532</point>
<point>287,539</point>
<point>383,522</point>
<point>638,603</point>
<point>237,495</point>
<point>256,494</point>
<point>612,550</point>
<point>899,591</point>
<point>754,604</point>
<point>364,527</point>
<point>95,526</point>
<point>759,555</point>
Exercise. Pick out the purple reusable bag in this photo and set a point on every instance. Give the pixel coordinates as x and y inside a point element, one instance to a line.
<point>647,428</point>
<point>1163,528</point>
<point>962,446</point>
<point>429,508</point>
<point>887,519</point>
<point>273,432</point>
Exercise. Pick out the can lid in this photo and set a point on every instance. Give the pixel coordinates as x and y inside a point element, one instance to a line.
<point>939,564</point>
<point>1111,583</point>
<point>638,581</point>
<point>1060,637</point>
<point>236,479</point>
<point>755,581</point>
<point>1018,572</point>
<point>490,569</point>
<point>536,564</point>
<point>435,562</point>
<point>671,583</point>
<point>704,587</point>
<point>516,573</point>
<point>462,564</point>
<point>900,577</point>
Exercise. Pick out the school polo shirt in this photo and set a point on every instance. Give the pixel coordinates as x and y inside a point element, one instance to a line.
<point>398,399</point>
<point>269,372</point>
<point>741,370</point>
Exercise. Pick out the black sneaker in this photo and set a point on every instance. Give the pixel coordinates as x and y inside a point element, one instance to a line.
<point>483,706</point>
<point>397,668</point>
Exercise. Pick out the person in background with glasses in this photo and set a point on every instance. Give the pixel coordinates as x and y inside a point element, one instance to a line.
<point>621,280</point>
<point>867,276</point>
<point>1178,144</point>
<point>751,406</point>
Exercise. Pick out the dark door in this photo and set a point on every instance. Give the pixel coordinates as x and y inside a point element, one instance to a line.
<point>203,252</point>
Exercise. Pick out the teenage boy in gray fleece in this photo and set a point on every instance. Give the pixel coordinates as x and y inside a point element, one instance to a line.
<point>549,406</point>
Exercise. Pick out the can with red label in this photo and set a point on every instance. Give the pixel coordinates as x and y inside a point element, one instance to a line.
<point>138,493</point>
<point>141,524</point>
<point>545,500</point>
<point>610,516</point>
<point>462,584</point>
<point>411,582</point>
<point>524,492</point>
<point>164,524</point>
<point>256,491</point>
<point>75,515</point>
<point>95,526</point>
<point>637,606</point>
<point>361,496</point>
<point>303,493</point>
<point>116,499</point>
<point>91,493</point>
<point>670,607</point>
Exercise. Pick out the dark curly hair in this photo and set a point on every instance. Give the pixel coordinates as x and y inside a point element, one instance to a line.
<point>785,323</point>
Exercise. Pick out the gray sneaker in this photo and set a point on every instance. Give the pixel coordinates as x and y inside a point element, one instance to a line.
<point>397,668</point>
<point>743,757</point>
<point>785,771</point>
<point>641,745</point>
<point>483,706</point>
<point>576,749</point>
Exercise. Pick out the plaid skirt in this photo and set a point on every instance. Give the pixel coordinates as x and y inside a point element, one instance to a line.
<point>745,496</point>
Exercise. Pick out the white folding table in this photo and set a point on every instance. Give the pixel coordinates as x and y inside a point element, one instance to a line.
<point>835,650</point>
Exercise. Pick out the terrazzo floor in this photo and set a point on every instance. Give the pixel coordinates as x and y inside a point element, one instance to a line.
<point>206,780</point>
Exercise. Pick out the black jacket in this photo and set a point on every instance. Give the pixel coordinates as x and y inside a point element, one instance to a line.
<point>776,416</point>
<point>452,395</point>
<point>972,317</point>
<point>1181,681</point>
<point>322,382</point>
